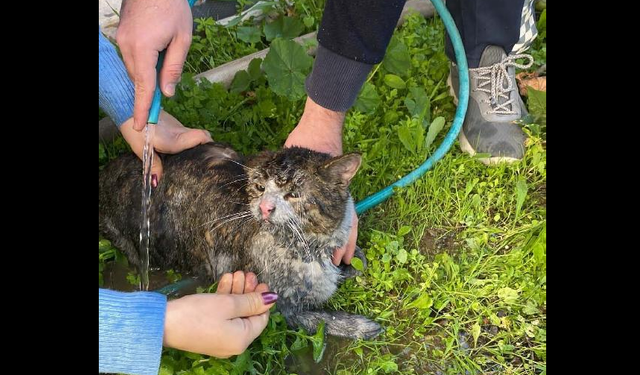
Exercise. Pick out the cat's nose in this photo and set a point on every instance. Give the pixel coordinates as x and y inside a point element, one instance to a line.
<point>266,208</point>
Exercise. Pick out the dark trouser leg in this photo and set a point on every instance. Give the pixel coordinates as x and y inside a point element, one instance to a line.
<point>485,22</point>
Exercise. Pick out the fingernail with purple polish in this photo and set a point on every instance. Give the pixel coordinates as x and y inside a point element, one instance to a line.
<point>269,297</point>
<point>154,181</point>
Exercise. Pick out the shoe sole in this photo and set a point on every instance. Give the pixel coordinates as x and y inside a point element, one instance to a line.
<point>465,145</point>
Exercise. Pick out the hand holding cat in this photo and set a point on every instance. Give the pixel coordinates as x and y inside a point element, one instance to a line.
<point>171,137</point>
<point>345,254</point>
<point>320,129</point>
<point>221,324</point>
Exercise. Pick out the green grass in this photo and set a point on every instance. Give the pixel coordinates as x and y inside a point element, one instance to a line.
<point>457,261</point>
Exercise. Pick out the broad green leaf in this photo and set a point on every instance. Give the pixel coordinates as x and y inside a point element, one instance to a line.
<point>286,66</point>
<point>357,264</point>
<point>299,343</point>
<point>417,102</point>
<point>389,367</point>
<point>402,256</point>
<point>404,133</point>
<point>394,81</point>
<point>397,59</point>
<point>318,343</point>
<point>404,230</point>
<point>508,295</point>
<point>254,69</point>
<point>241,81</point>
<point>537,104</point>
<point>418,135</point>
<point>249,34</point>
<point>308,21</point>
<point>423,302</point>
<point>283,27</point>
<point>368,100</point>
<point>541,25</point>
<point>243,364</point>
<point>435,128</point>
<point>530,308</point>
<point>103,245</point>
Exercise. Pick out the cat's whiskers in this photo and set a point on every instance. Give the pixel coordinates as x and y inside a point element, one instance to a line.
<point>225,217</point>
<point>240,203</point>
<point>230,220</point>
<point>312,243</point>
<point>238,189</point>
<point>240,164</point>
<point>236,180</point>
<point>298,232</point>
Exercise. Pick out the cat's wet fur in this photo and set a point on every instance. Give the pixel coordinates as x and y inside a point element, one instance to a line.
<point>278,214</point>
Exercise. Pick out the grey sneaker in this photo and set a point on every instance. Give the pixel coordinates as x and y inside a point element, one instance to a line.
<point>494,107</point>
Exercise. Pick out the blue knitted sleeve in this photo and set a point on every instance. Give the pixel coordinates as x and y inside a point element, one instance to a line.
<point>130,330</point>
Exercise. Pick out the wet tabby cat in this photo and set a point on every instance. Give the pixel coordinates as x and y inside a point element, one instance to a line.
<point>278,214</point>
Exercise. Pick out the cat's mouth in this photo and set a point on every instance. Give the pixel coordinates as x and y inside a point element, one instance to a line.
<point>264,221</point>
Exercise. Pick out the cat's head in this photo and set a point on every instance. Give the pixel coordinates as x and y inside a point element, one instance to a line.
<point>299,189</point>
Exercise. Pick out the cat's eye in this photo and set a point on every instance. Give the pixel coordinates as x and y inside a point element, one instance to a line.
<point>292,195</point>
<point>260,187</point>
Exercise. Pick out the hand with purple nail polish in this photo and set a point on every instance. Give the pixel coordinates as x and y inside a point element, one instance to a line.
<point>171,137</point>
<point>221,324</point>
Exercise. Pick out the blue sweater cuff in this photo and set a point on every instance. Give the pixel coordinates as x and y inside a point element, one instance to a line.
<point>115,89</point>
<point>130,330</point>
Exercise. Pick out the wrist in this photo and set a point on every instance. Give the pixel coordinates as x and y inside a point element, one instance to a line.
<point>320,129</point>
<point>170,317</point>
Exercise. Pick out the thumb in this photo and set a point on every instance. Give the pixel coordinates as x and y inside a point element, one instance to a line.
<point>192,138</point>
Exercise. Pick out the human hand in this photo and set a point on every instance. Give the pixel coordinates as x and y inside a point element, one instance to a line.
<point>146,28</point>
<point>320,129</point>
<point>220,324</point>
<point>171,137</point>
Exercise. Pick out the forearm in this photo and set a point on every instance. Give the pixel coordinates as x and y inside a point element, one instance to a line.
<point>130,331</point>
<point>115,89</point>
<point>353,36</point>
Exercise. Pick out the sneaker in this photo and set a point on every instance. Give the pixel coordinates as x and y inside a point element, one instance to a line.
<point>495,106</point>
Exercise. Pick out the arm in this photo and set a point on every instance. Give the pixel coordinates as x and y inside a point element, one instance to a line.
<point>130,331</point>
<point>134,326</point>
<point>353,36</point>
<point>115,89</point>
<point>116,98</point>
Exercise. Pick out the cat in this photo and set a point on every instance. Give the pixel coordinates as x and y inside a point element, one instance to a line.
<point>279,214</point>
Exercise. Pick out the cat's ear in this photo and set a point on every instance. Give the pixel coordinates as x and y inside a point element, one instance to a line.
<point>341,169</point>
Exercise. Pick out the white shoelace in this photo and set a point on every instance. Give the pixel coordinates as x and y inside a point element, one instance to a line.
<point>496,77</point>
